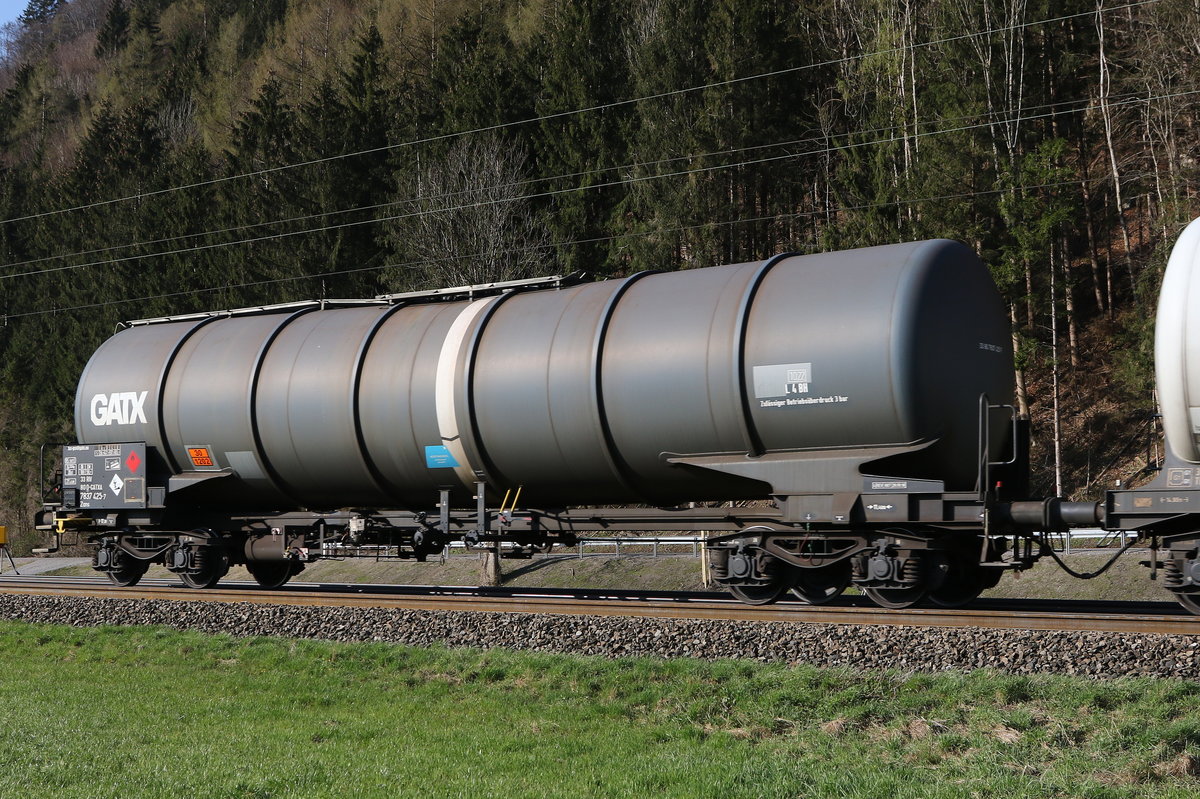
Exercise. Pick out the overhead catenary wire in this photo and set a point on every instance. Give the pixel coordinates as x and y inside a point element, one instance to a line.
<point>565,176</point>
<point>539,195</point>
<point>548,246</point>
<point>585,110</point>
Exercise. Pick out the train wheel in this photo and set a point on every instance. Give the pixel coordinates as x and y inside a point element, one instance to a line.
<point>212,569</point>
<point>271,574</point>
<point>1190,601</point>
<point>761,594</point>
<point>818,586</point>
<point>129,570</point>
<point>896,598</point>
<point>963,581</point>
<point>206,579</point>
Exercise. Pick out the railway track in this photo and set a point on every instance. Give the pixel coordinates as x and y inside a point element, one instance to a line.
<point>1076,615</point>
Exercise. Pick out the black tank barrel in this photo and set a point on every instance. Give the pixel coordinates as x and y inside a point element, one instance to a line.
<point>582,395</point>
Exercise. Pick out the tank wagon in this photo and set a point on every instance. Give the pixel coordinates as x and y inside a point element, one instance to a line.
<point>826,420</point>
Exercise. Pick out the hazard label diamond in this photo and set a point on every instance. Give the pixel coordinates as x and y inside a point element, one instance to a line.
<point>133,461</point>
<point>116,484</point>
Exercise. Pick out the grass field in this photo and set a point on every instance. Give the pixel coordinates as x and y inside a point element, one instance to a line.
<point>145,712</point>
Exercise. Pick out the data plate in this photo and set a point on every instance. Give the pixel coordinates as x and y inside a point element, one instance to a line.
<point>105,476</point>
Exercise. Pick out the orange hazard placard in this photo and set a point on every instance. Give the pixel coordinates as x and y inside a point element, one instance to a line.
<point>200,456</point>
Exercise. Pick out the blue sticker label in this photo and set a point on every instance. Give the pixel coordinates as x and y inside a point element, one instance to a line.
<point>439,458</point>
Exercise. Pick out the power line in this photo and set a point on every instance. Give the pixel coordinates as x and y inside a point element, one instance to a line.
<point>584,173</point>
<point>629,181</point>
<point>575,112</point>
<point>554,245</point>
<point>540,195</point>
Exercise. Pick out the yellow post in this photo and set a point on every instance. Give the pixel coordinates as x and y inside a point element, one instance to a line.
<point>4,553</point>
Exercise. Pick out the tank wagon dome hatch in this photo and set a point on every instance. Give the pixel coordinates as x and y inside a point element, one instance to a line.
<point>724,383</point>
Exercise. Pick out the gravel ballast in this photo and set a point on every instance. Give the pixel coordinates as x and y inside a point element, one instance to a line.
<point>865,647</point>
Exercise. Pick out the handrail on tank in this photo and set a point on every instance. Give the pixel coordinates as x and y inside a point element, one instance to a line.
<point>250,311</point>
<point>433,295</point>
<point>985,439</point>
<point>486,289</point>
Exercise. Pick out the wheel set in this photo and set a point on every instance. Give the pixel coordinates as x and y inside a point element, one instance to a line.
<point>200,560</point>
<point>949,577</point>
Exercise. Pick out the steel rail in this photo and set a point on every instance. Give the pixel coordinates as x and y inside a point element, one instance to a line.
<point>1160,619</point>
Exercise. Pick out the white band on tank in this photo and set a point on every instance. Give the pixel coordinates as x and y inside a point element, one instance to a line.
<point>444,388</point>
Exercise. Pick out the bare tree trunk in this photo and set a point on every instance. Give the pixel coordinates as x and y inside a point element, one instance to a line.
<point>1069,304</point>
<point>1022,393</point>
<point>1008,95</point>
<point>908,91</point>
<point>1169,204</point>
<point>1057,417</point>
<point>1089,223</point>
<point>1108,267</point>
<point>1148,132</point>
<point>912,86</point>
<point>1064,251</point>
<point>1106,114</point>
<point>1028,267</point>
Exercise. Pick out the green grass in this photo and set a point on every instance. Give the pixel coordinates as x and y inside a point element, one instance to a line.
<point>147,712</point>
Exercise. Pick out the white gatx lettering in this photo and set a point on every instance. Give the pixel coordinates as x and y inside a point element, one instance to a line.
<point>122,407</point>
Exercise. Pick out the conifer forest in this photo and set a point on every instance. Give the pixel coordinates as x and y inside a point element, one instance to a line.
<point>169,156</point>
